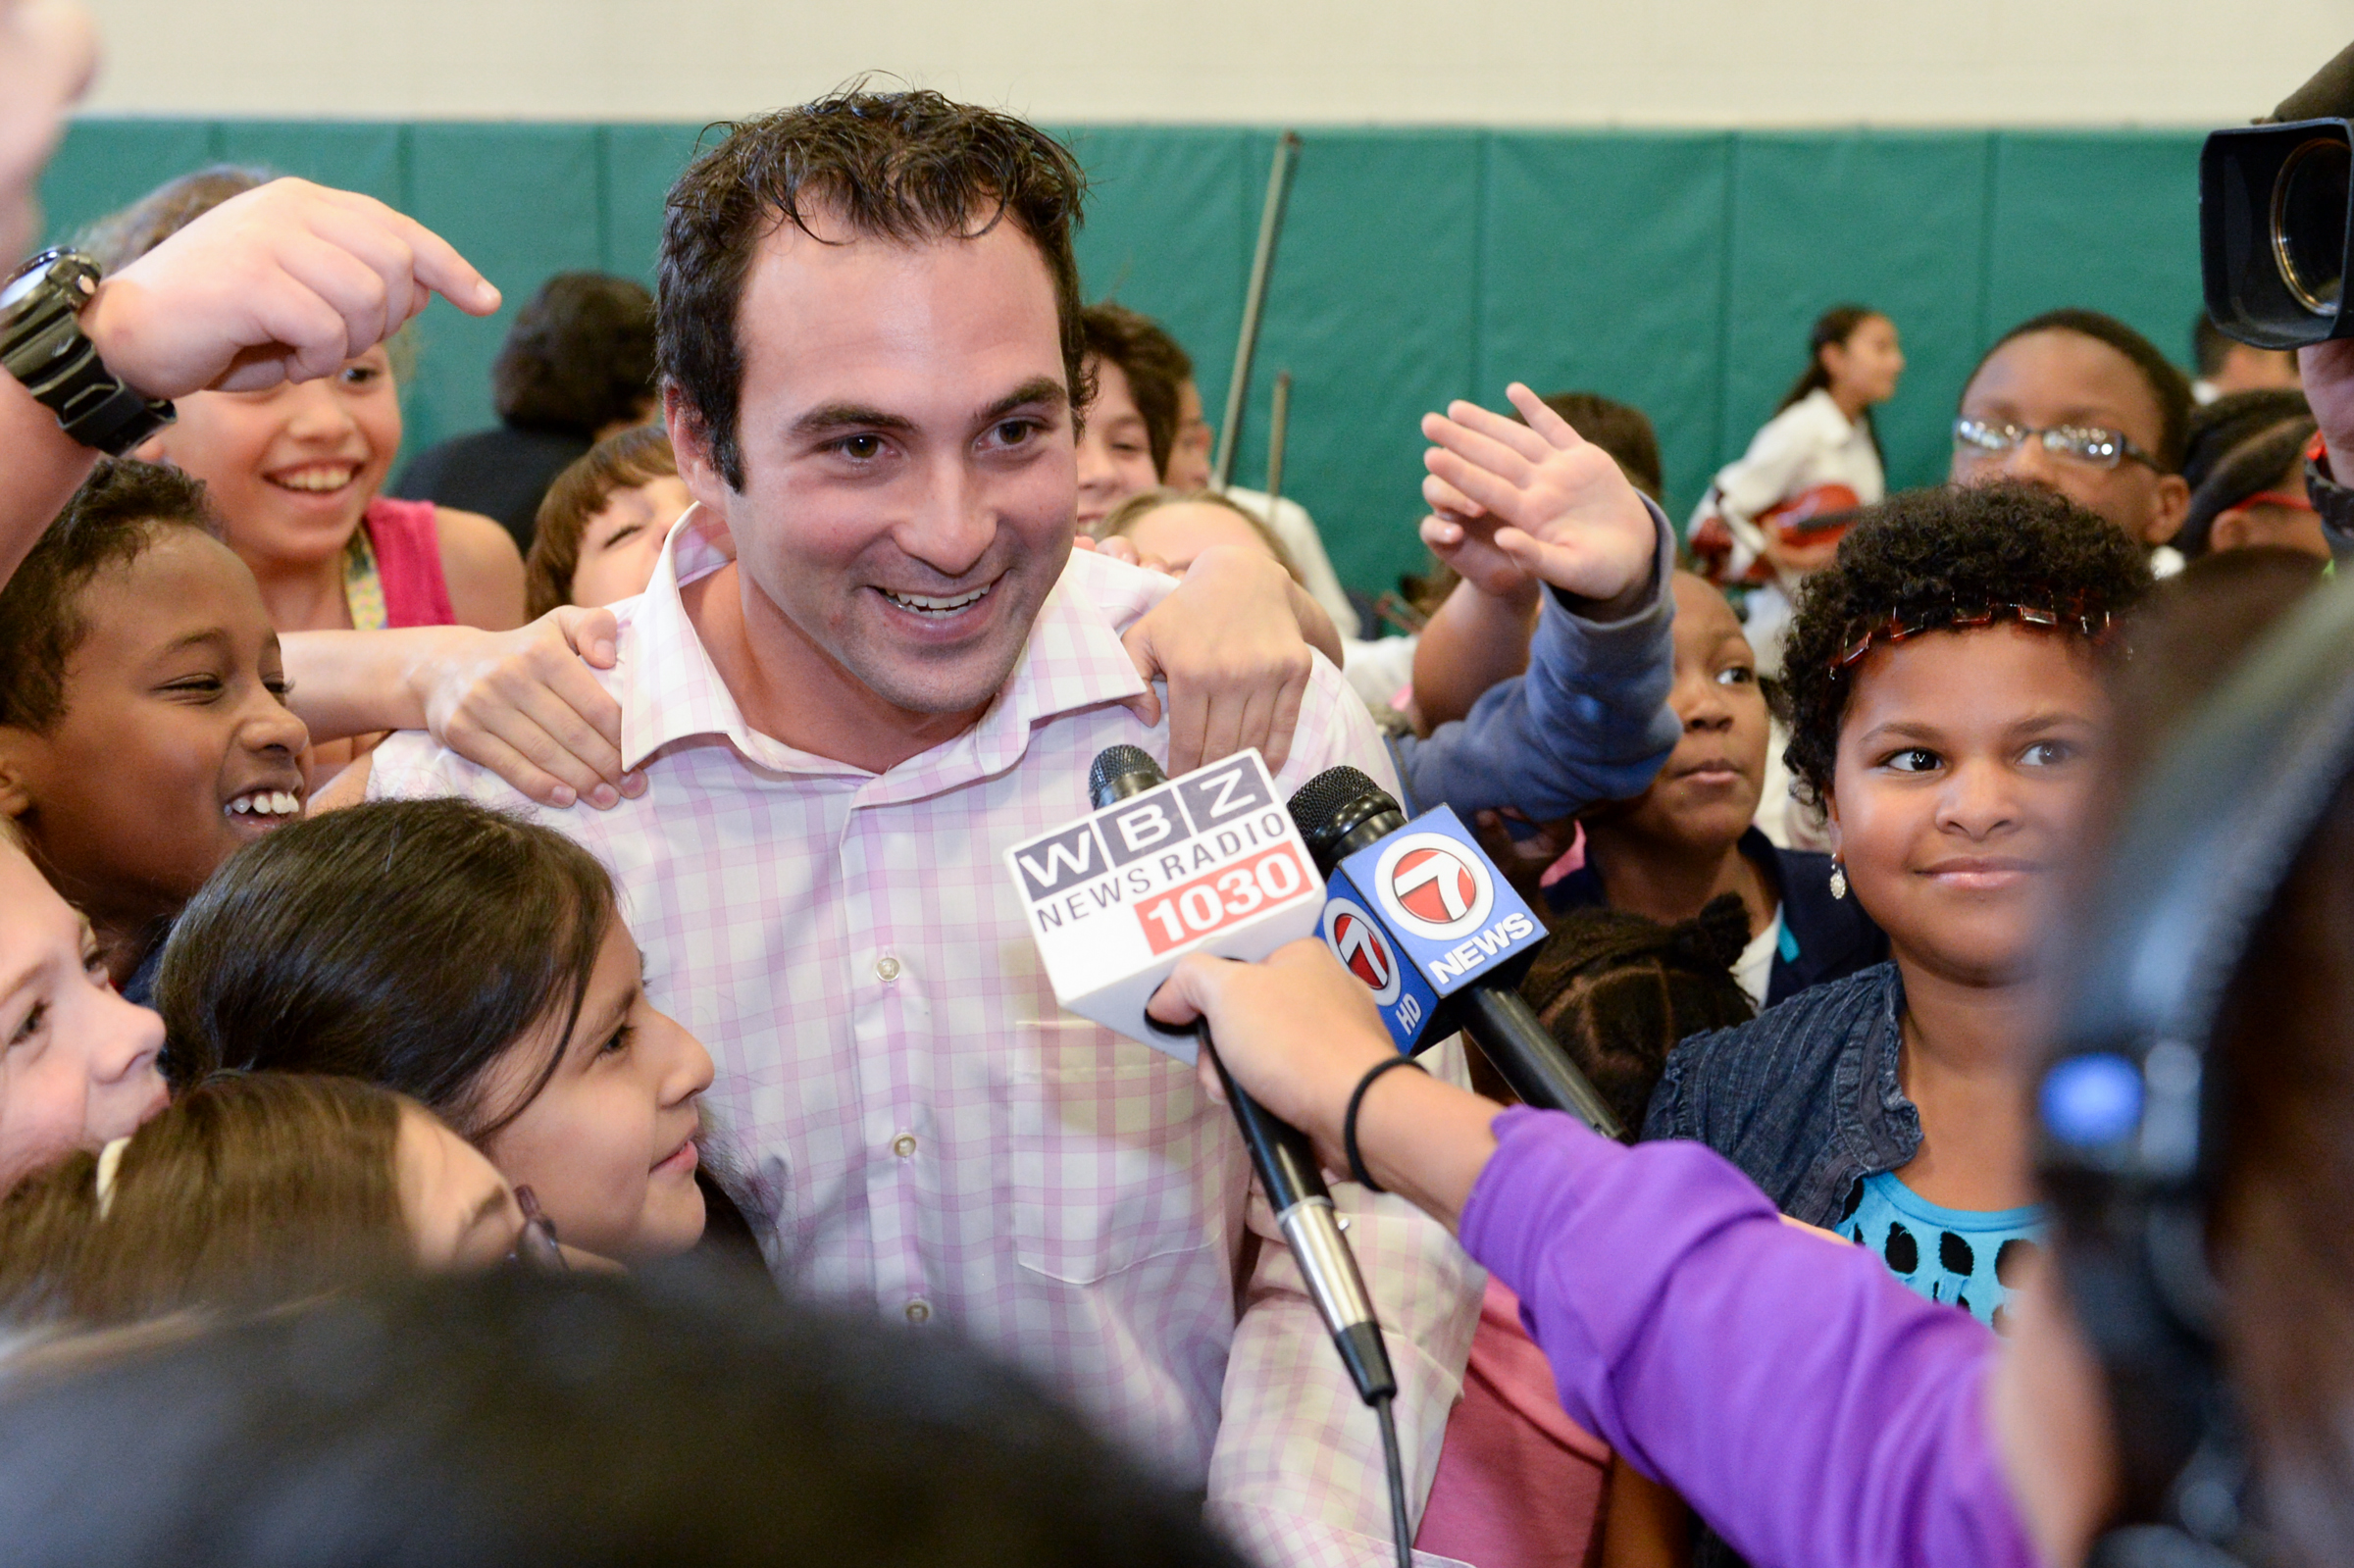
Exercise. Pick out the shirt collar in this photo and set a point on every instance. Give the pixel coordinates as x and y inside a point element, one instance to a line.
<point>1072,660</point>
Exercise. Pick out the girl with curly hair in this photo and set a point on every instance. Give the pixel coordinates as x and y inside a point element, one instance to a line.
<point>1947,713</point>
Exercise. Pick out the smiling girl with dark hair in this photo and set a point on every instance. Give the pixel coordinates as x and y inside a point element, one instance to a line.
<point>1947,712</point>
<point>477,964</point>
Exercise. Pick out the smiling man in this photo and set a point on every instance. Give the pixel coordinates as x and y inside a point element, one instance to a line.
<point>868,662</point>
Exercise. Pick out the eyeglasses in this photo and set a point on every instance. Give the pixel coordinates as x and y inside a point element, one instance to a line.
<point>535,1250</point>
<point>1863,635</point>
<point>2088,444</point>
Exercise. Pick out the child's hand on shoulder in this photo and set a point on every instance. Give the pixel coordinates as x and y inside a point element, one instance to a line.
<point>1514,502</point>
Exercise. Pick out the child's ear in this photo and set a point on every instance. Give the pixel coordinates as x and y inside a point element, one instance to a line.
<point>2228,531</point>
<point>16,794</point>
<point>2174,504</point>
<point>1830,821</point>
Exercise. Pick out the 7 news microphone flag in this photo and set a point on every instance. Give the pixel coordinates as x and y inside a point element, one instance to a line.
<point>1417,912</point>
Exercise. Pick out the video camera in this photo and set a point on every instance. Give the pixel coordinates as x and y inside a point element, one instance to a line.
<point>2276,217</point>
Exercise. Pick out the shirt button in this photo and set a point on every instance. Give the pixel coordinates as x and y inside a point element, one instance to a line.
<point>904,1145</point>
<point>918,1311</point>
<point>887,969</point>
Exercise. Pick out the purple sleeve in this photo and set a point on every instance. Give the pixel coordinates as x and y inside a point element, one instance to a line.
<point>1812,1408</point>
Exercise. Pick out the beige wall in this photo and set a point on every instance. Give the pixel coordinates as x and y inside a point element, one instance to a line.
<point>1496,61</point>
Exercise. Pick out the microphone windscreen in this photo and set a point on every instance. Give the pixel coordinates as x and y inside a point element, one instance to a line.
<point>1316,802</point>
<point>1334,803</point>
<point>1120,771</point>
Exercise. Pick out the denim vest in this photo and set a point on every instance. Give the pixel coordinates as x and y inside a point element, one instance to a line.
<point>1802,1097</point>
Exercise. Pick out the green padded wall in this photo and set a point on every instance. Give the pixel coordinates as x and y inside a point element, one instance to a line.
<point>1676,270</point>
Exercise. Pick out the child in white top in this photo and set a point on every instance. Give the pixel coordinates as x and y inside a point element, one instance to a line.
<point>1818,458</point>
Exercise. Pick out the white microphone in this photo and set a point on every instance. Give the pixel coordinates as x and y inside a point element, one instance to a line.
<point>1211,862</point>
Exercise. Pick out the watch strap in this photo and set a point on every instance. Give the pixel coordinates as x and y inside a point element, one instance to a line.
<point>42,346</point>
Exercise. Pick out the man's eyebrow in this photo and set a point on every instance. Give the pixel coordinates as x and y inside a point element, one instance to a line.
<point>830,417</point>
<point>1040,390</point>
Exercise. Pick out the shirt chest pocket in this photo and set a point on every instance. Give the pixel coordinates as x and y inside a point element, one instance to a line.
<point>1113,1158</point>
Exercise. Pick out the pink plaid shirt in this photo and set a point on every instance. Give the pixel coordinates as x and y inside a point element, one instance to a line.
<point>940,1141</point>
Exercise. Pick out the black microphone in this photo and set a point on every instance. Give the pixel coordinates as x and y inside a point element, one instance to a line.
<point>1342,811</point>
<point>1280,1153</point>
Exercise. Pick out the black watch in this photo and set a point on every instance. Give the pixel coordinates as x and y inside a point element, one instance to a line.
<point>41,345</point>
<point>2333,500</point>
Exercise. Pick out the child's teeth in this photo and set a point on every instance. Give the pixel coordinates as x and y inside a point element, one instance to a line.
<point>316,478</point>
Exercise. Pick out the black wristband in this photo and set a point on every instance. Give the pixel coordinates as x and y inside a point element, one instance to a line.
<point>1356,1166</point>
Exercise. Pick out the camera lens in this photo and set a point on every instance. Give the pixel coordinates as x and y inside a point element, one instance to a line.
<point>2309,223</point>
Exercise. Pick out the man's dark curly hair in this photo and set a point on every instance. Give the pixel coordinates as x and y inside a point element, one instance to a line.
<point>907,167</point>
<point>1919,557</point>
<point>117,515</point>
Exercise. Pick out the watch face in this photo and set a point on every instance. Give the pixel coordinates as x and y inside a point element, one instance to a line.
<point>63,266</point>
<point>16,287</point>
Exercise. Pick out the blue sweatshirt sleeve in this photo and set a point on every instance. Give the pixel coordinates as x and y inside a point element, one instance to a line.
<point>1588,723</point>
<point>1812,1409</point>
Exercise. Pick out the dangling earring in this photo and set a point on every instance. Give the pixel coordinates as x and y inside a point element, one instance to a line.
<point>1838,878</point>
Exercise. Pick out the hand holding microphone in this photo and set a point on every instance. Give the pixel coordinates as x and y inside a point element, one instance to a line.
<point>1297,1033</point>
<point>1280,1153</point>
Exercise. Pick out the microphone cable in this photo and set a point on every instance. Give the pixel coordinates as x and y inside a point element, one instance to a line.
<point>1287,1171</point>
<point>1402,1530</point>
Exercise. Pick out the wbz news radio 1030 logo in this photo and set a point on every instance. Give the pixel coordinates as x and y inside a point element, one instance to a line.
<point>1446,919</point>
<point>1118,896</point>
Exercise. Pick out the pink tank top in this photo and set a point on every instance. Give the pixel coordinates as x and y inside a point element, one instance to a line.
<point>408,562</point>
<point>1519,1485</point>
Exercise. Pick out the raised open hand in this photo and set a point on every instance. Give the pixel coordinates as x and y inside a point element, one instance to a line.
<point>1536,498</point>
